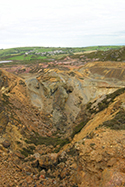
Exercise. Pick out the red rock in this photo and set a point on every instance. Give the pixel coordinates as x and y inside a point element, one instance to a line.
<point>42,176</point>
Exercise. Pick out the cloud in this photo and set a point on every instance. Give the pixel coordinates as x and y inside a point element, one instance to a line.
<point>70,23</point>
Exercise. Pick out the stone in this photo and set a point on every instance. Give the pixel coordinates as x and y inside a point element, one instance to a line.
<point>35,163</point>
<point>65,172</point>
<point>42,177</point>
<point>49,160</point>
<point>6,143</point>
<point>17,153</point>
<point>36,155</point>
<point>29,180</point>
<point>111,162</point>
<point>43,172</point>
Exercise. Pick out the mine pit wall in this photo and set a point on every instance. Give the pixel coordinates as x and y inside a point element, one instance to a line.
<point>63,96</point>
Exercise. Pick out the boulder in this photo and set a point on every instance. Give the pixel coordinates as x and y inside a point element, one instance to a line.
<point>48,161</point>
<point>6,143</point>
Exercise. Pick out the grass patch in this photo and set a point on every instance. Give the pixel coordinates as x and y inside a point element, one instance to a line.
<point>27,151</point>
<point>72,151</point>
<point>18,143</point>
<point>38,140</point>
<point>118,122</point>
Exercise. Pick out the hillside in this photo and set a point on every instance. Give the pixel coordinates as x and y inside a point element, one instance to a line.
<point>62,122</point>
<point>28,55</point>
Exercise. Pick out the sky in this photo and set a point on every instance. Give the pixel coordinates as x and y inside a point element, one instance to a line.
<point>66,23</point>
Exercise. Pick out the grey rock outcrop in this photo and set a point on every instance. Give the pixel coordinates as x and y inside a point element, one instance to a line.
<point>62,95</point>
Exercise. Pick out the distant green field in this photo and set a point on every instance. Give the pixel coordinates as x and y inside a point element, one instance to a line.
<point>20,57</point>
<point>28,57</point>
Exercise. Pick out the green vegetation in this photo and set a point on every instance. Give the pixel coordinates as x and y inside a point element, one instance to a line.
<point>83,143</point>
<point>118,122</point>
<point>72,151</point>
<point>39,140</point>
<point>27,151</point>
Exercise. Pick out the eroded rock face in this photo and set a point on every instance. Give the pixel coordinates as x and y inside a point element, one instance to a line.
<point>63,93</point>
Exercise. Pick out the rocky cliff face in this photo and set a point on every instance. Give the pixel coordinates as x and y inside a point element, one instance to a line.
<point>61,94</point>
<point>53,126</point>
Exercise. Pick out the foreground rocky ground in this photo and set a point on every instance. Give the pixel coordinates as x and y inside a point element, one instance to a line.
<point>97,161</point>
<point>63,126</point>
